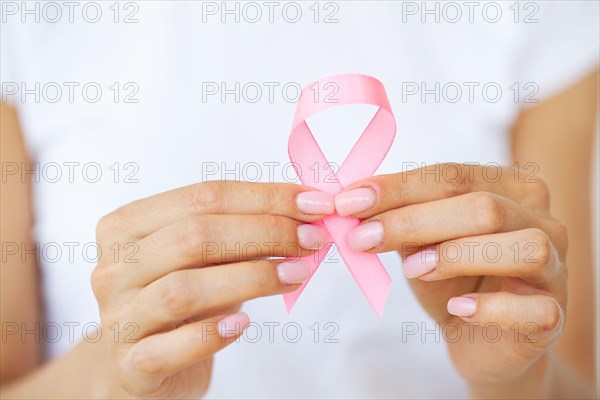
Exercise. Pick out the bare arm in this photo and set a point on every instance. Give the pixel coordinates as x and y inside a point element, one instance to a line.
<point>21,373</point>
<point>406,208</point>
<point>18,280</point>
<point>558,135</point>
<point>174,304</point>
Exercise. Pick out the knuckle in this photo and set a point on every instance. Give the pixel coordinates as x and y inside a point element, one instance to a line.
<point>406,224</point>
<point>272,197</point>
<point>108,224</point>
<point>101,281</point>
<point>194,236</point>
<point>141,384</point>
<point>278,228</point>
<point>163,390</point>
<point>562,231</point>
<point>207,197</point>
<point>176,294</point>
<point>542,188</point>
<point>458,183</point>
<point>144,361</point>
<point>551,317</point>
<point>543,246</point>
<point>560,234</point>
<point>263,277</point>
<point>489,211</point>
<point>538,191</point>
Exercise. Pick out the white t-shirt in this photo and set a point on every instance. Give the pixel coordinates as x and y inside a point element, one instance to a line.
<point>183,92</point>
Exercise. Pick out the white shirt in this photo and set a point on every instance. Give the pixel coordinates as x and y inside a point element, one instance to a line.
<point>442,80</point>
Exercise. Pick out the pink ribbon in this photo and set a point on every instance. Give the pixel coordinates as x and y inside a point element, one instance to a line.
<point>362,161</point>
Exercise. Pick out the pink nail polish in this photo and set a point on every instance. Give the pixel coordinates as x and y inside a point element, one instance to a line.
<point>354,201</point>
<point>233,325</point>
<point>365,236</point>
<point>311,237</point>
<point>293,272</point>
<point>315,203</point>
<point>462,306</point>
<point>420,263</point>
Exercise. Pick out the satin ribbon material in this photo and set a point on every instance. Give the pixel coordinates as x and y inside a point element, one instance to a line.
<point>362,161</point>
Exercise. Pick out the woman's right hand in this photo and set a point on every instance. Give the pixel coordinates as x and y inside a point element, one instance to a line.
<point>175,268</point>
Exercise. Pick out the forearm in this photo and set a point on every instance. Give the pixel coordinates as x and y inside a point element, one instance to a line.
<point>550,377</point>
<point>83,372</point>
<point>568,121</point>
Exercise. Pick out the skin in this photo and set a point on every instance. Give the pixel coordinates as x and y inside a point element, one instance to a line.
<point>181,289</point>
<point>177,292</point>
<point>539,353</point>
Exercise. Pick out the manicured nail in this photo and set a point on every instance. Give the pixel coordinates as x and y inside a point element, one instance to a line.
<point>462,306</point>
<point>354,201</point>
<point>419,263</point>
<point>311,237</point>
<point>365,236</point>
<point>293,272</point>
<point>315,203</point>
<point>233,325</point>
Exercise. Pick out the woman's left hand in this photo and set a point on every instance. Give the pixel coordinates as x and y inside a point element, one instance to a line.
<point>482,253</point>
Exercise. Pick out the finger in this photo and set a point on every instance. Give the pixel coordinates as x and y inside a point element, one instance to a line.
<point>538,318</point>
<point>526,254</point>
<point>212,239</point>
<point>181,295</point>
<point>156,357</point>
<point>381,193</point>
<point>215,197</point>
<point>471,214</point>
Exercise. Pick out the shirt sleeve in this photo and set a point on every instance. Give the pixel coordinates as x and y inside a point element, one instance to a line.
<point>560,44</point>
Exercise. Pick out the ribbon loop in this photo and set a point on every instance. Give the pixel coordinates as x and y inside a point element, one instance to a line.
<point>362,161</point>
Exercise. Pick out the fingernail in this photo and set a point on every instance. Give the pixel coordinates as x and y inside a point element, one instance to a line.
<point>462,306</point>
<point>311,237</point>
<point>365,236</point>
<point>419,263</point>
<point>233,325</point>
<point>315,203</point>
<point>293,272</point>
<point>354,201</point>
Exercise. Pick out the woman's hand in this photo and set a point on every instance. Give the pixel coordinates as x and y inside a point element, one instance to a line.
<point>483,255</point>
<point>187,259</point>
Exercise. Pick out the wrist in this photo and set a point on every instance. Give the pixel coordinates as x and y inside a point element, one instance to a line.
<point>548,377</point>
<point>533,382</point>
<point>104,384</point>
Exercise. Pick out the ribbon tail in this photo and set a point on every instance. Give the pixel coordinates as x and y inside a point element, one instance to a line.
<point>366,268</point>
